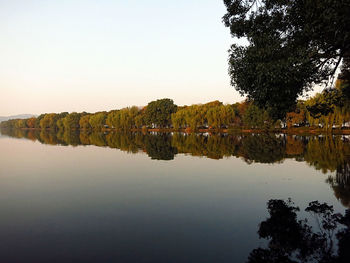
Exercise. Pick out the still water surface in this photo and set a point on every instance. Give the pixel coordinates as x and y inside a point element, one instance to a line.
<point>156,198</point>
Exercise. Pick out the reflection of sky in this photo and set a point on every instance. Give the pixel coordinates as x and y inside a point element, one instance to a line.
<point>98,55</point>
<point>98,201</point>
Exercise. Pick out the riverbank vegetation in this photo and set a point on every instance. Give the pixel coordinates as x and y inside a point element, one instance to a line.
<point>325,112</point>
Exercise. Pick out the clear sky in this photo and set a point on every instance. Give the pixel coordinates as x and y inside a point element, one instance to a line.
<point>84,55</point>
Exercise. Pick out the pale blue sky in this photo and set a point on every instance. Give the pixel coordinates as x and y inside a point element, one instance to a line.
<point>102,55</point>
<point>92,55</point>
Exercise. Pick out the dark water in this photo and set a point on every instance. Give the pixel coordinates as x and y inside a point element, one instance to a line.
<point>70,197</point>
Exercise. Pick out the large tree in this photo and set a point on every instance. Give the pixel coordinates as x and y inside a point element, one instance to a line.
<point>159,112</point>
<point>289,46</point>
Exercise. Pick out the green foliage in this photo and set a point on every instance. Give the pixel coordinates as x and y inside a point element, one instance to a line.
<point>255,117</point>
<point>195,116</point>
<point>159,112</point>
<point>21,123</point>
<point>38,119</point>
<point>113,119</point>
<point>71,121</point>
<point>140,121</point>
<point>327,110</point>
<point>324,103</point>
<point>178,118</point>
<point>212,115</point>
<point>84,122</point>
<point>125,119</point>
<point>97,120</point>
<point>49,121</point>
<point>291,46</point>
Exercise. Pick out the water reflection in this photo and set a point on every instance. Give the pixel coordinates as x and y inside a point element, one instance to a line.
<point>127,207</point>
<point>293,240</point>
<point>326,153</point>
<point>340,184</point>
<point>329,154</point>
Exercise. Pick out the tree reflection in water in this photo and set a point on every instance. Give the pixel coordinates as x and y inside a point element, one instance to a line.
<point>324,153</point>
<point>289,239</point>
<point>293,240</point>
<point>340,183</point>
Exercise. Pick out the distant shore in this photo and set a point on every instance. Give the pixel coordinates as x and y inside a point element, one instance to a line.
<point>288,131</point>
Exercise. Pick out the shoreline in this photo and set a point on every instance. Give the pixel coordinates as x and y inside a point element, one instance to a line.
<point>290,131</point>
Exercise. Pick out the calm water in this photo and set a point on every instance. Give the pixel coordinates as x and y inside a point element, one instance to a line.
<point>156,198</point>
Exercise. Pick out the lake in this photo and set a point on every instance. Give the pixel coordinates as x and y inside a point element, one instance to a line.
<point>133,197</point>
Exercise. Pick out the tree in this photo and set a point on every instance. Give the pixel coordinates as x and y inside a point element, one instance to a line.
<point>139,121</point>
<point>344,76</point>
<point>59,122</point>
<point>159,112</point>
<point>228,114</point>
<point>38,119</point>
<point>71,121</point>
<point>140,118</point>
<point>97,120</point>
<point>84,122</point>
<point>214,117</point>
<point>291,46</point>
<point>255,117</point>
<point>296,241</point>
<point>132,113</point>
<point>296,117</point>
<point>194,116</point>
<point>178,118</point>
<point>21,123</point>
<point>31,122</point>
<point>112,119</point>
<point>49,121</point>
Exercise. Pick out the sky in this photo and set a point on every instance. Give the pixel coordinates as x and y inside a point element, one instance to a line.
<point>108,54</point>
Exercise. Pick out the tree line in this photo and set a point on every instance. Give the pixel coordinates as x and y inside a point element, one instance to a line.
<point>327,110</point>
